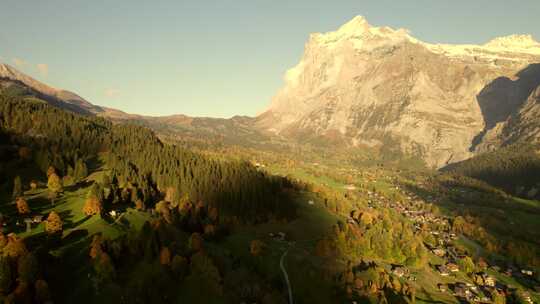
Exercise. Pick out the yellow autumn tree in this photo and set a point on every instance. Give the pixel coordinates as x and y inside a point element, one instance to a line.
<point>54,223</point>
<point>54,183</point>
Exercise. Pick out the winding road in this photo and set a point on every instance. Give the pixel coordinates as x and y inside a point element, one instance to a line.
<point>286,275</point>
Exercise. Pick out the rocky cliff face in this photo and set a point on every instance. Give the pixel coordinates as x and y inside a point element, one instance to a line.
<point>522,123</point>
<point>379,87</point>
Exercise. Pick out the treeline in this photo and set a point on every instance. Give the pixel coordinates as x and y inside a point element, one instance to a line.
<point>234,187</point>
<point>515,168</point>
<point>139,159</point>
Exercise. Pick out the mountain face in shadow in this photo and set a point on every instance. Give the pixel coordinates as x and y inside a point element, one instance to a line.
<point>504,97</point>
<point>510,110</point>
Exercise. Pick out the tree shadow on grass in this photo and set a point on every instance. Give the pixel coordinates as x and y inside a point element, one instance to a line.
<point>94,164</point>
<point>39,204</point>
<point>68,223</point>
<point>75,236</point>
<point>78,185</point>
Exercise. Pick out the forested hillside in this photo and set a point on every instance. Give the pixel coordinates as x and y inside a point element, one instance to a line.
<point>122,208</point>
<point>515,168</point>
<point>134,154</point>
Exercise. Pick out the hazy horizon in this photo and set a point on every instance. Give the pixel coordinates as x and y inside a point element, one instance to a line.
<point>213,59</point>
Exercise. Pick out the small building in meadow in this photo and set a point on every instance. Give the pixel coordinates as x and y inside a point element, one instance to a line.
<point>461,290</point>
<point>442,287</point>
<point>439,252</point>
<point>28,222</point>
<point>443,270</point>
<point>452,267</point>
<point>489,281</point>
<point>400,271</point>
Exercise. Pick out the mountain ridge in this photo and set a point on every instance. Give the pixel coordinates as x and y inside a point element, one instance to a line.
<point>9,72</point>
<point>376,86</point>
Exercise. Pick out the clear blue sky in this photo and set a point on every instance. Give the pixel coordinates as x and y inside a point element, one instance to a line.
<point>214,58</point>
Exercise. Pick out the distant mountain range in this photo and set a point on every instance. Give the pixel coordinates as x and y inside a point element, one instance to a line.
<point>58,97</point>
<point>378,88</point>
<point>238,130</point>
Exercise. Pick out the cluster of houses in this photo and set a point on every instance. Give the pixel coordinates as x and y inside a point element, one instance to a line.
<point>446,269</point>
<point>402,272</point>
<point>482,286</point>
<point>439,227</point>
<point>470,293</point>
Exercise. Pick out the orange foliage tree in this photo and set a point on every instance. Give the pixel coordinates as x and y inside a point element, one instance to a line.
<point>92,206</point>
<point>209,230</point>
<point>165,256</point>
<point>22,206</point>
<point>95,246</point>
<point>256,248</point>
<point>139,204</point>
<point>15,247</point>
